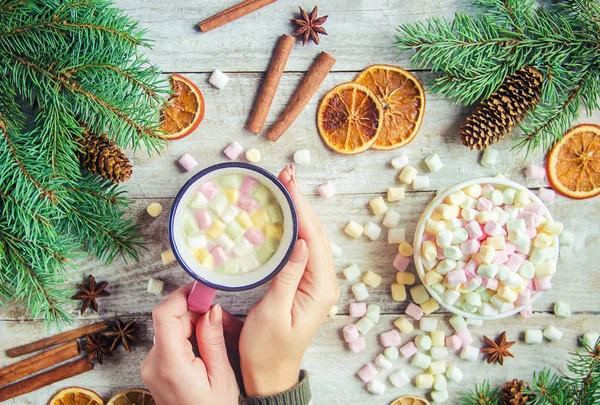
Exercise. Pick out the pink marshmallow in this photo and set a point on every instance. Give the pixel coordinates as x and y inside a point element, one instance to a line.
<point>358,345</point>
<point>543,283</point>
<point>326,190</point>
<point>524,297</point>
<point>440,254</point>
<point>530,218</point>
<point>470,247</point>
<point>465,337</point>
<point>483,204</point>
<point>254,236</point>
<point>547,195</point>
<point>470,267</point>
<point>428,236</point>
<point>527,313</point>
<point>487,187</point>
<point>248,185</point>
<point>500,257</point>
<point>233,150</point>
<point>456,277</point>
<point>358,309</point>
<point>247,203</point>
<point>453,342</point>
<point>470,274</point>
<point>534,172</point>
<point>460,265</point>
<point>390,338</point>
<point>490,283</point>
<point>414,311</point>
<point>367,373</point>
<point>203,219</point>
<point>350,333</point>
<point>401,262</point>
<point>514,262</point>
<point>474,230</point>
<point>531,286</point>
<point>510,248</point>
<point>408,350</point>
<point>531,232</point>
<point>537,209</point>
<point>492,228</point>
<point>187,162</point>
<point>219,255</point>
<point>209,189</point>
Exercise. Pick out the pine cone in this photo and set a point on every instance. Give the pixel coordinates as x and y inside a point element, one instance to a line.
<point>512,393</point>
<point>503,110</point>
<point>99,155</point>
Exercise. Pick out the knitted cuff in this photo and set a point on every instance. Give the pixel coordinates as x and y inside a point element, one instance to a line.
<point>298,395</point>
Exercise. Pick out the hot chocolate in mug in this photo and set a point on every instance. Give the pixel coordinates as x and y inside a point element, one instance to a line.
<point>232,227</point>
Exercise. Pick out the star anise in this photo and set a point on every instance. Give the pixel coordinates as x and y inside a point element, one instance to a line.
<point>123,333</point>
<point>309,26</point>
<point>89,293</point>
<point>497,350</point>
<point>96,347</point>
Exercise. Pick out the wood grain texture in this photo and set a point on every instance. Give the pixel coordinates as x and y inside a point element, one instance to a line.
<point>361,33</point>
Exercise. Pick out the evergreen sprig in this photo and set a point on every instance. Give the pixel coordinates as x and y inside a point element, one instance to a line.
<point>66,67</point>
<point>476,53</point>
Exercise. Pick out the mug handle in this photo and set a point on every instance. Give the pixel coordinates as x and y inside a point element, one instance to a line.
<point>200,298</point>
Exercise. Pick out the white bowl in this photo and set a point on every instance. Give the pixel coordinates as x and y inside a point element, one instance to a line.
<point>497,182</point>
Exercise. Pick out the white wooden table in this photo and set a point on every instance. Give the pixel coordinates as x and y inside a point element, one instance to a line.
<point>361,32</point>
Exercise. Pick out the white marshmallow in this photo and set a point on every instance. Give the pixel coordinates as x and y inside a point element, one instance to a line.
<point>360,291</point>
<point>469,352</point>
<point>489,157</point>
<point>383,362</point>
<point>590,339</point>
<point>218,79</point>
<point>155,286</point>
<point>439,396</point>
<point>423,342</point>
<point>391,219</point>
<point>533,336</point>
<point>397,235</point>
<point>438,353</point>
<point>428,324</point>
<point>421,360</point>
<point>373,312</point>
<point>364,325</point>
<point>553,334</point>
<point>376,387</point>
<point>444,238</point>
<point>454,374</point>
<point>372,231</point>
<point>399,378</point>
<point>302,157</point>
<point>450,297</point>
<point>420,183</point>
<point>562,309</point>
<point>458,323</point>
<point>391,353</point>
<point>439,382</point>
<point>433,162</point>
<point>566,238</point>
<point>399,162</point>
<point>336,251</point>
<point>351,272</point>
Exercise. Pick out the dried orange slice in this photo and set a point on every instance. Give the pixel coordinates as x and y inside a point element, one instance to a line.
<point>75,396</point>
<point>349,118</point>
<point>185,109</point>
<point>573,164</point>
<point>403,101</point>
<point>133,396</point>
<point>410,400</point>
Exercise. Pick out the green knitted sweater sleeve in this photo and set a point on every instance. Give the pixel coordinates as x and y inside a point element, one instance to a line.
<point>298,395</point>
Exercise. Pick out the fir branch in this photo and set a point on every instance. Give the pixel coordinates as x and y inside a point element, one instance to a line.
<point>482,394</point>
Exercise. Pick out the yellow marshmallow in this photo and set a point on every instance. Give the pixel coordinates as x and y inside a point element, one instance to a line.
<point>167,257</point>
<point>433,277</point>
<point>398,292</point>
<point>354,229</point>
<point>395,194</point>
<point>497,242</point>
<point>215,229</point>
<point>404,325</point>
<point>408,174</point>
<point>448,211</point>
<point>429,250</point>
<point>378,206</point>
<point>486,254</point>
<point>553,227</point>
<point>274,231</point>
<point>542,240</point>
<point>433,226</point>
<point>405,278</point>
<point>473,191</point>
<point>438,338</point>
<point>405,249</point>
<point>507,294</point>
<point>430,306</point>
<point>232,195</point>
<point>486,216</point>
<point>244,220</point>
<point>545,269</point>
<point>260,218</point>
<point>419,294</point>
<point>522,199</point>
<point>371,279</point>
<point>456,198</point>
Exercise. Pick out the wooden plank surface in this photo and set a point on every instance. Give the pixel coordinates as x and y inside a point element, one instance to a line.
<point>361,33</point>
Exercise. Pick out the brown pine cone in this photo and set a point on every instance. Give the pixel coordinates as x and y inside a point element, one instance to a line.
<point>512,393</point>
<point>503,110</point>
<point>101,156</point>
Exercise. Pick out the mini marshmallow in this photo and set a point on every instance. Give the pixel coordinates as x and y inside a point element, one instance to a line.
<point>429,250</point>
<point>424,381</point>
<point>547,195</point>
<point>354,229</point>
<point>483,204</point>
<point>390,338</point>
<point>351,272</point>
<point>590,339</point>
<point>437,367</point>
<point>414,311</point>
<point>433,226</point>
<point>371,231</point>
<point>430,306</point>
<point>472,299</point>
<point>453,253</point>
<point>333,311</point>
<point>167,257</point>
<point>458,323</point>
<point>367,373</point>
<point>473,191</point>
<point>391,353</point>
<point>200,201</point>
<point>526,313</point>
<point>226,243</point>
<point>408,174</point>
<point>302,157</point>
<point>534,172</point>
<point>450,296</point>
<point>522,199</point>
<point>378,206</point>
<point>465,337</point>
<point>254,236</point>
<point>397,235</point>
<point>488,270</point>
<point>408,350</point>
<point>438,337</point>
<point>243,248</point>
<point>439,382</point>
<point>376,387</point>
<point>253,155</point>
<point>486,216</point>
<point>405,278</point>
<point>444,238</point>
<point>395,194</point>
<point>404,325</point>
<point>218,79</point>
<point>336,251</point>
<point>454,374</point>
<point>438,353</point>
<point>229,214</point>
<point>420,183</point>
<point>489,157</point>
<point>155,286</point>
<point>358,309</point>
<point>542,283</point>
<point>453,224</point>
<point>552,334</point>
<point>562,309</point>
<point>423,342</point>
<point>364,325</point>
<point>373,312</point>
<point>453,342</point>
<point>455,278</point>
<point>398,292</point>
<point>553,227</point>
<point>360,291</point>
<point>445,266</point>
<point>421,360</point>
<point>439,396</point>
<point>428,324</point>
<point>474,230</point>
<point>350,333</point>
<point>155,209</point>
<point>459,236</point>
<point>233,150</point>
<point>429,264</point>
<point>434,163</point>
<point>399,162</point>
<point>470,247</point>
<point>399,378</point>
<point>358,345</point>
<point>247,203</point>
<point>469,214</point>
<point>419,294</point>
<point>372,279</point>
<point>391,219</point>
<point>533,336</point>
<point>470,353</point>
<point>187,162</point>
<point>326,190</point>
<point>383,362</point>
<point>566,238</point>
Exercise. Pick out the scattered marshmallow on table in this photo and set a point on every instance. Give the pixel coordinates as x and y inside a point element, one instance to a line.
<point>360,291</point>
<point>358,309</point>
<point>383,362</point>
<point>391,353</point>
<point>535,172</point>
<point>350,333</point>
<point>405,249</point>
<point>414,311</point>
<point>552,333</point>
<point>489,157</point>
<point>376,387</point>
<point>405,278</point>
<point>423,342</point>
<point>373,312</point>
<point>533,336</point>
<point>404,325</point>
<point>154,209</point>
<point>351,272</point>
<point>391,219</point>
<point>424,381</point>
<point>433,162</point>
<point>187,162</point>
<point>167,257</point>
<point>399,378</point>
<point>590,339</point>
<point>401,263</point>
<point>364,325</point>
<point>398,292</point>
<point>399,162</point>
<point>430,306</point>
<point>302,157</point>
<point>155,286</point>
<point>326,190</point>
<point>428,324</point>
<point>439,396</point>
<point>372,279</point>
<point>218,79</point>
<point>372,231</point>
<point>419,294</point>
<point>367,373</point>
<point>420,183</point>
<point>333,311</point>
<point>454,374</point>
<point>354,229</point>
<point>566,238</point>
<point>233,150</point>
<point>336,251</point>
<point>378,206</point>
<point>420,360</point>
<point>408,174</point>
<point>253,155</point>
<point>469,353</point>
<point>395,194</point>
<point>397,235</point>
<point>408,350</point>
<point>547,195</point>
<point>562,309</point>
<point>357,345</point>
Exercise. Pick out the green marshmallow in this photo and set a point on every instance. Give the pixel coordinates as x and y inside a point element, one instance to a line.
<point>234,230</point>
<point>230,267</point>
<point>275,214</point>
<point>219,204</point>
<point>231,181</point>
<point>189,224</point>
<point>266,251</point>
<point>262,194</point>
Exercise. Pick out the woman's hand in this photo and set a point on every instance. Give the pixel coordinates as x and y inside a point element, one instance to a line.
<point>173,373</point>
<point>280,327</point>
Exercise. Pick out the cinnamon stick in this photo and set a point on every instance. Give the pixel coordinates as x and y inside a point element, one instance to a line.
<point>39,362</point>
<point>274,73</point>
<point>49,377</point>
<point>233,13</point>
<point>307,88</point>
<point>57,339</point>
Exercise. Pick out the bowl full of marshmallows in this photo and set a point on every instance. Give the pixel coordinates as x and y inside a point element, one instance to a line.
<point>486,248</point>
